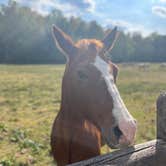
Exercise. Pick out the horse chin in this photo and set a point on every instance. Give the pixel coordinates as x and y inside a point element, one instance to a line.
<point>116,145</point>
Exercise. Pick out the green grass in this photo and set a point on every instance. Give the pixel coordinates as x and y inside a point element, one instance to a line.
<point>30,99</point>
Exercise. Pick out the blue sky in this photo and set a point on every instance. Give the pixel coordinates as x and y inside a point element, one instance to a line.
<point>145,16</point>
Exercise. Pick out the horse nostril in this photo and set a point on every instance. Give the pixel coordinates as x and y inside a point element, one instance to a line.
<point>117,132</point>
<point>135,121</point>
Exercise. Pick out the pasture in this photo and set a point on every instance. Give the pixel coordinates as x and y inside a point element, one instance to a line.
<point>30,98</point>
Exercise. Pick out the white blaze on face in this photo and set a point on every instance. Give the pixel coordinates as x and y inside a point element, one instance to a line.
<point>122,116</point>
<point>119,108</point>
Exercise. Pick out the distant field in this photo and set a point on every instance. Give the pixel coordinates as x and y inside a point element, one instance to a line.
<point>30,99</point>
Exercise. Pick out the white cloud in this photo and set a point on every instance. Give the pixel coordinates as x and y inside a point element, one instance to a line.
<point>68,7</point>
<point>128,27</point>
<point>159,10</point>
<point>164,1</point>
<point>92,5</point>
<point>41,6</point>
<point>87,5</point>
<point>68,10</point>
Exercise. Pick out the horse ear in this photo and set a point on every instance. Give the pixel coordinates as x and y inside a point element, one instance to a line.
<point>110,40</point>
<point>63,42</point>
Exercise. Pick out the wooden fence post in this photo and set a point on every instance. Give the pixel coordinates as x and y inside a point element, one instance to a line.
<point>161,117</point>
<point>161,130</point>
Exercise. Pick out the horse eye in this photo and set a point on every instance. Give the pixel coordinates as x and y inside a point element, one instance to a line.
<point>82,75</point>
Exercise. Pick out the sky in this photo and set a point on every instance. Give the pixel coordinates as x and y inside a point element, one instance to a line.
<point>145,16</point>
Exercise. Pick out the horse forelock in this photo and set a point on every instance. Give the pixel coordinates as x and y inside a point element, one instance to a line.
<point>85,43</point>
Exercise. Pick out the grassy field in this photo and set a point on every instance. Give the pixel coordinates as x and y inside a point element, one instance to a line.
<point>30,99</point>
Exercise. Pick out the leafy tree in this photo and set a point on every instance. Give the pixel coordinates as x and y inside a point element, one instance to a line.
<point>26,38</point>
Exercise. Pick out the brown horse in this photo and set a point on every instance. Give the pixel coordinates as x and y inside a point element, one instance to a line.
<point>92,112</point>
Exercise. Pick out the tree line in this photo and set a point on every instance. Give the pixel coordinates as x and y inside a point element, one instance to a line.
<point>25,38</point>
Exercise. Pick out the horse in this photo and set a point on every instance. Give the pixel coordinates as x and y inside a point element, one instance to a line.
<point>92,112</point>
